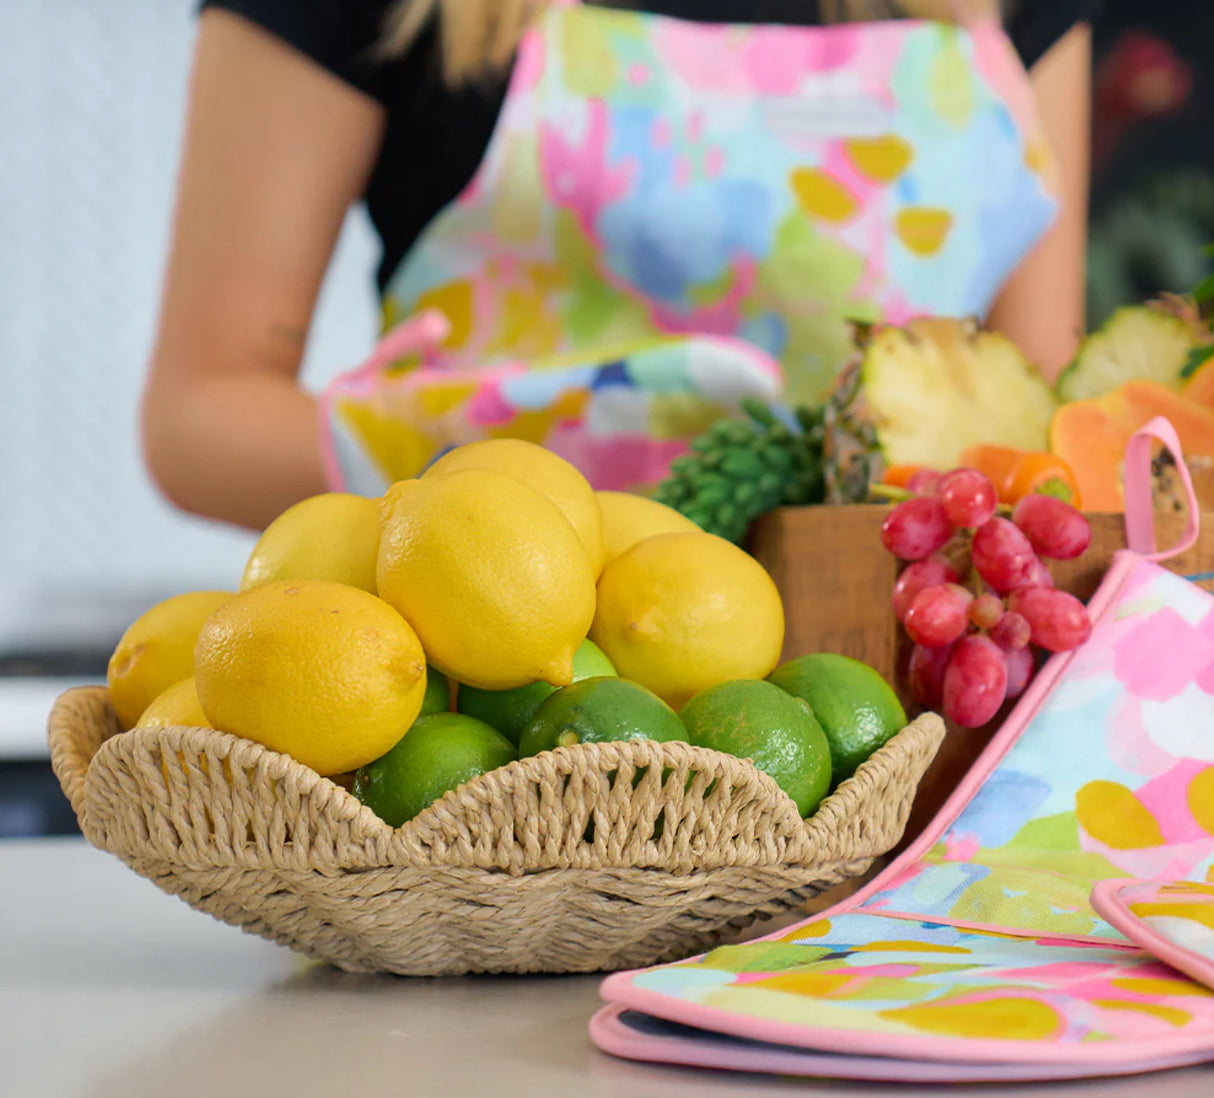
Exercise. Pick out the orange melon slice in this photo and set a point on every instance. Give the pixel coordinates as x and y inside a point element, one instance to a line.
<point>1091,435</point>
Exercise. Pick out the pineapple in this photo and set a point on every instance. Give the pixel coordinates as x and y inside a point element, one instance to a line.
<point>1151,342</point>
<point>851,453</point>
<point>916,395</point>
<point>923,393</point>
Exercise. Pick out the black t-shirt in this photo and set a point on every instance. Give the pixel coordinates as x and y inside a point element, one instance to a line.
<point>436,136</point>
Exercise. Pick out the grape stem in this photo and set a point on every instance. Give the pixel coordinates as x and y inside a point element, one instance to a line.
<point>893,494</point>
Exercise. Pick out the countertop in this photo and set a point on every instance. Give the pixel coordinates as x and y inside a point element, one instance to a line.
<point>108,987</point>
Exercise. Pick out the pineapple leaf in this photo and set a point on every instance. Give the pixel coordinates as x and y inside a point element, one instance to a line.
<point>1196,359</point>
<point>1204,291</point>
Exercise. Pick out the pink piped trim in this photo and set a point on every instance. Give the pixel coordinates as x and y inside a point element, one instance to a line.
<point>1109,900</point>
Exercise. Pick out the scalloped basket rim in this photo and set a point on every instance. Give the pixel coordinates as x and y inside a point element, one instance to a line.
<point>196,743</point>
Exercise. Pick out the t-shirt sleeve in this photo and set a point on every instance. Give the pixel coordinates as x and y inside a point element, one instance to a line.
<point>1035,25</point>
<point>339,35</point>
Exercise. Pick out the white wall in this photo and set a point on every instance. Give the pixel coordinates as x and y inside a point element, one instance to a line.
<point>91,106</point>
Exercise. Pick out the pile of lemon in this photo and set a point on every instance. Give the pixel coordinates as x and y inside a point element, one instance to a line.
<point>422,638</point>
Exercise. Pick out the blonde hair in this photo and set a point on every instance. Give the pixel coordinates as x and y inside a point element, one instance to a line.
<point>481,36</point>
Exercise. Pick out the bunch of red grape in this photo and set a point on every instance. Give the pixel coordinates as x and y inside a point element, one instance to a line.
<point>977,597</point>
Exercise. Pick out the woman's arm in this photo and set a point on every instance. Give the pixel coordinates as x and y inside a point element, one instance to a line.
<point>276,151</point>
<point>1042,304</point>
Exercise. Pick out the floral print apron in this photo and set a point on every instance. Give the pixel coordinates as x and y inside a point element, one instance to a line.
<point>673,215</point>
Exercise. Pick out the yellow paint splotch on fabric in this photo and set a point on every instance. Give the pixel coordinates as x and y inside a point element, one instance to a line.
<point>1201,799</point>
<point>1111,814</point>
<point>1168,1014</point>
<point>817,929</point>
<point>1202,913</point>
<point>1010,1018</point>
<point>881,159</point>
<point>923,229</point>
<point>821,196</point>
<point>908,945</point>
<point>454,301</point>
<point>1149,985</point>
<point>440,399</point>
<point>753,1001</point>
<point>855,986</point>
<point>400,450</point>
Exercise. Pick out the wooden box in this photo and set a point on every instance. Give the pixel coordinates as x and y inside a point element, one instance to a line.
<point>837,582</point>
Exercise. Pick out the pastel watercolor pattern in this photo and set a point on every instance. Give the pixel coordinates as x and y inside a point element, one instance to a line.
<point>995,933</point>
<point>654,179</point>
<point>925,982</point>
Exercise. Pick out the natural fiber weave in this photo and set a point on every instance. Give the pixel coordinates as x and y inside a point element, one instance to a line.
<point>584,859</point>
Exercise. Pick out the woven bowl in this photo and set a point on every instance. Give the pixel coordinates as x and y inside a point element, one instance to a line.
<point>584,859</point>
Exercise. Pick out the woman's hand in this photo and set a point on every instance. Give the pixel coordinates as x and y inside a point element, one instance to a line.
<point>276,151</point>
<point>1042,305</point>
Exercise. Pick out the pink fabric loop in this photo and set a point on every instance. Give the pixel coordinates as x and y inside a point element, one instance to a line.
<point>420,332</point>
<point>1139,507</point>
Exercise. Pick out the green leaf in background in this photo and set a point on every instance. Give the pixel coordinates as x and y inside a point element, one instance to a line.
<point>1204,290</point>
<point>1198,357</point>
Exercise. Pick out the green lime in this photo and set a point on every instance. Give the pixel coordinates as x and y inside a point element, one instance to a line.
<point>510,711</point>
<point>598,710</point>
<point>438,693</point>
<point>855,706</point>
<point>439,753</point>
<point>755,720</point>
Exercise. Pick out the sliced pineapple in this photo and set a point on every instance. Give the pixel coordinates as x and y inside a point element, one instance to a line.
<point>937,386</point>
<point>1137,342</point>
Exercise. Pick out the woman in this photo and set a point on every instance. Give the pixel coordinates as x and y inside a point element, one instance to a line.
<point>645,174</point>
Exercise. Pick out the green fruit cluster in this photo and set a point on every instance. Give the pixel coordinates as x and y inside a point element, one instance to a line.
<point>741,468</point>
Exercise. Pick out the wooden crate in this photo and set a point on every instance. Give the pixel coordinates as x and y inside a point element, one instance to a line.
<point>837,582</point>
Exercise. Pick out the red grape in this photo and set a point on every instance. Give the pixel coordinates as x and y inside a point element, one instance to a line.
<point>924,482</point>
<point>969,498</point>
<point>975,683</point>
<point>1019,662</point>
<point>918,575</point>
<point>1013,632</point>
<point>1002,555</point>
<point>986,611</point>
<point>927,667</point>
<point>916,528</point>
<point>1040,576</point>
<point>938,615</point>
<point>1059,622</point>
<point>1055,529</point>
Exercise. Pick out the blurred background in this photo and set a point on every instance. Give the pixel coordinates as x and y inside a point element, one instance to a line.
<point>91,107</point>
<point>92,101</point>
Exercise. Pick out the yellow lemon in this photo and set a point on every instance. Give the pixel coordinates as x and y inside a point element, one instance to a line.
<point>158,651</point>
<point>679,613</point>
<point>328,674</point>
<point>178,705</point>
<point>334,537</point>
<point>548,474</point>
<point>629,518</point>
<point>490,574</point>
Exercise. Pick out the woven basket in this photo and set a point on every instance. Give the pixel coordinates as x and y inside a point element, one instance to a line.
<point>585,859</point>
